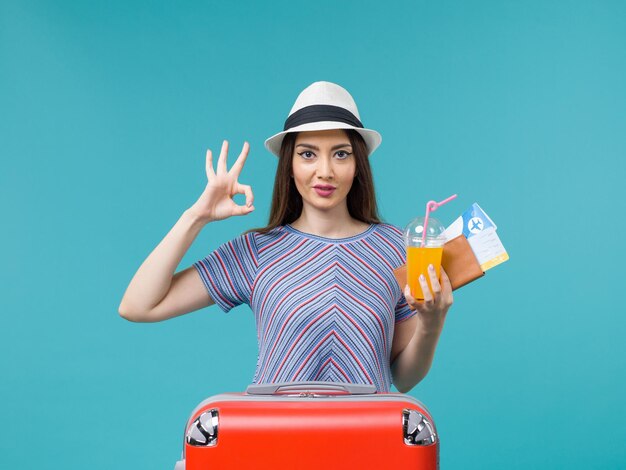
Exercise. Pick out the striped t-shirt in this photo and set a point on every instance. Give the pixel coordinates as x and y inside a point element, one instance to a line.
<point>325,308</point>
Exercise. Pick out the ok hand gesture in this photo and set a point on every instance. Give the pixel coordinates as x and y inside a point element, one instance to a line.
<point>216,202</point>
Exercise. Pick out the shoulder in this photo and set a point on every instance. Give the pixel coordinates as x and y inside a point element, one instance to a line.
<point>262,239</point>
<point>391,230</point>
<point>388,239</point>
<point>259,242</point>
<point>392,233</point>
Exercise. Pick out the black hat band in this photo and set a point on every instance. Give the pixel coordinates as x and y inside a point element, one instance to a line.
<point>321,112</point>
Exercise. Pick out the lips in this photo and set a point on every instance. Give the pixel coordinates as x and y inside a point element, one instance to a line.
<point>324,190</point>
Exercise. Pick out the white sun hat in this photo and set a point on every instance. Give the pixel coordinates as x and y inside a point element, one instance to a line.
<point>324,106</point>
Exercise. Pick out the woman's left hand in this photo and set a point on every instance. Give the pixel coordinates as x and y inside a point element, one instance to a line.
<point>435,305</point>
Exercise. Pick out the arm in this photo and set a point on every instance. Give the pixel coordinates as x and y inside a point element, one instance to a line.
<point>155,293</point>
<point>415,339</point>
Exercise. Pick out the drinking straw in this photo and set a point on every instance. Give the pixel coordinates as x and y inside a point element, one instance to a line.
<point>432,206</point>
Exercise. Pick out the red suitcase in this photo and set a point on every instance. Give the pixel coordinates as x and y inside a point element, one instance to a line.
<point>309,425</point>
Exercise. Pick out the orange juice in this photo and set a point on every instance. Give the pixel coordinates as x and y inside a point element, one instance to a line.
<point>417,261</point>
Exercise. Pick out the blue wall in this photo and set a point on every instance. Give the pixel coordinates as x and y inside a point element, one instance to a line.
<point>107,108</point>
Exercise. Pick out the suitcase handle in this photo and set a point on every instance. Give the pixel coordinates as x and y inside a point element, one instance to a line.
<point>313,386</point>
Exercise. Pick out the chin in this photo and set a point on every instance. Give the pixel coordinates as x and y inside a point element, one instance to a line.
<point>326,205</point>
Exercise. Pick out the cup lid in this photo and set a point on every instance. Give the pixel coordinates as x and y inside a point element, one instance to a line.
<point>414,231</point>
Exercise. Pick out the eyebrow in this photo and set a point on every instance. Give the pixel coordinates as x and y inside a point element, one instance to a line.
<point>317,148</point>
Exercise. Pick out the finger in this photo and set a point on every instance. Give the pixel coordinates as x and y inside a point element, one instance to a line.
<point>242,210</point>
<point>247,190</point>
<point>409,298</point>
<point>447,287</point>
<point>221,162</point>
<point>428,296</point>
<point>241,159</point>
<point>445,282</point>
<point>210,174</point>
<point>434,282</point>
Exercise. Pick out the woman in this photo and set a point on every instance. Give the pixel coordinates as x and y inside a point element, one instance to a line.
<point>319,277</point>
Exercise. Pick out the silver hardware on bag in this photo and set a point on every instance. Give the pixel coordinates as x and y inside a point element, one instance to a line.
<point>306,395</point>
<point>203,431</point>
<point>310,388</point>
<point>418,430</point>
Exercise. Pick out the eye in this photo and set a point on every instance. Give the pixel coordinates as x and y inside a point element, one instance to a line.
<point>342,154</point>
<point>306,155</point>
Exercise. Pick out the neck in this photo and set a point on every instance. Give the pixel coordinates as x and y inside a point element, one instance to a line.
<point>336,223</point>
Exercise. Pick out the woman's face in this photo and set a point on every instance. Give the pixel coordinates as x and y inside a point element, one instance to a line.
<point>323,168</point>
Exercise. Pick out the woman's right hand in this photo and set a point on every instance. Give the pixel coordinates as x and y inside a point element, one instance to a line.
<point>216,202</point>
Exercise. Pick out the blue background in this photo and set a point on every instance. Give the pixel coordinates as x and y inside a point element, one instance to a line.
<point>107,108</point>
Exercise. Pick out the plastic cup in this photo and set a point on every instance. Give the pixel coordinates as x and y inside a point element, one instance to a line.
<point>422,251</point>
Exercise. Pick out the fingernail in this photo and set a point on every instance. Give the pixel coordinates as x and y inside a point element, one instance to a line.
<point>422,278</point>
<point>431,267</point>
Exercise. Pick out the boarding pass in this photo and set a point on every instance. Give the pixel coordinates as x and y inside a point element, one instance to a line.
<point>480,232</point>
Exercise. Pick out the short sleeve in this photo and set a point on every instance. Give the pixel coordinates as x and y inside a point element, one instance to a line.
<point>403,311</point>
<point>228,273</point>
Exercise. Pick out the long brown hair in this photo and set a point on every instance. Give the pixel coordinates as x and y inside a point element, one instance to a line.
<point>287,201</point>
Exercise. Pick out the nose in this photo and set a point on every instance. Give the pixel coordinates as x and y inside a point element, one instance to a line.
<point>324,168</point>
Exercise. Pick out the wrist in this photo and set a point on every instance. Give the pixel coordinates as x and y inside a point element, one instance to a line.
<point>429,326</point>
<point>192,216</point>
